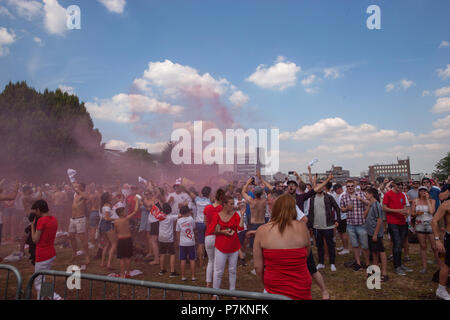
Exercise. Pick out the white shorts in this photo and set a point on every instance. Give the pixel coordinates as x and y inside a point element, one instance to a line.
<point>77,225</point>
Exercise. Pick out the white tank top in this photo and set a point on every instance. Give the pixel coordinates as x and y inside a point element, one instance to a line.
<point>427,216</point>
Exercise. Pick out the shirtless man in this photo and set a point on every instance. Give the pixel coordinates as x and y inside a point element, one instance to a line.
<point>94,215</point>
<point>7,197</point>
<point>78,222</point>
<point>258,207</point>
<point>443,247</point>
<point>59,200</point>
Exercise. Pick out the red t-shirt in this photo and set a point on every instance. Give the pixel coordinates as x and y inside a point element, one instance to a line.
<point>131,203</point>
<point>45,248</point>
<point>209,212</point>
<point>227,244</point>
<point>395,200</point>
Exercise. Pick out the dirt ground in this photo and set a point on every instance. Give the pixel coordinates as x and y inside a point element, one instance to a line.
<point>344,284</point>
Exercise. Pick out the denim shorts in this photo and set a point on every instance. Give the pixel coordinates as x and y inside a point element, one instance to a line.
<point>200,227</point>
<point>94,219</point>
<point>358,236</point>
<point>105,226</point>
<point>187,251</point>
<point>144,225</point>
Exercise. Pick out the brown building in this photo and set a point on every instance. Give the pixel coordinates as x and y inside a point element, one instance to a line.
<point>400,170</point>
<point>339,175</point>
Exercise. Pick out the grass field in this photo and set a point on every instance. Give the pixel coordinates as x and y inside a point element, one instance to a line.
<point>344,284</point>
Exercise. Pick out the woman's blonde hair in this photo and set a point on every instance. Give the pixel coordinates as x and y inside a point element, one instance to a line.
<point>284,212</point>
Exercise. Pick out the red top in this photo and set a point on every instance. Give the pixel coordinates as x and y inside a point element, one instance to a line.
<point>45,248</point>
<point>286,273</point>
<point>395,200</point>
<point>228,244</point>
<point>131,203</point>
<point>210,211</point>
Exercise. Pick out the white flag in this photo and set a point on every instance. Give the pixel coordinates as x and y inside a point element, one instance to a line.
<point>71,173</point>
<point>140,179</point>
<point>313,161</point>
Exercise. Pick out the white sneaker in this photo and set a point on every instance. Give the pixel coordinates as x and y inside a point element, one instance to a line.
<point>253,272</point>
<point>333,267</point>
<point>320,266</point>
<point>345,251</point>
<point>442,294</point>
<point>340,249</point>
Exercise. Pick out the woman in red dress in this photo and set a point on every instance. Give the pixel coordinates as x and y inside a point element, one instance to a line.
<point>280,252</point>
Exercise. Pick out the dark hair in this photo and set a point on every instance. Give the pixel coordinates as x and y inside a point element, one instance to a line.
<point>40,205</point>
<point>329,185</point>
<point>337,186</point>
<point>120,210</point>
<point>276,193</point>
<point>82,185</point>
<point>302,186</point>
<point>374,193</point>
<point>206,191</point>
<point>166,208</point>
<point>26,189</point>
<point>226,199</point>
<point>220,194</point>
<point>104,199</point>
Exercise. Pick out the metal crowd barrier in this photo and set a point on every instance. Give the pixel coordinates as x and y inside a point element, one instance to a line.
<point>16,272</point>
<point>47,289</point>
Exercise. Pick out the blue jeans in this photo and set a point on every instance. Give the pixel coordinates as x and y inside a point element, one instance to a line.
<point>358,236</point>
<point>398,234</point>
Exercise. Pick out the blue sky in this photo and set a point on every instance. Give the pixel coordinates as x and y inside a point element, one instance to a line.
<point>337,91</point>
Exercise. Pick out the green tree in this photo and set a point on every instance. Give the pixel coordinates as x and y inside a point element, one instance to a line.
<point>442,168</point>
<point>45,133</point>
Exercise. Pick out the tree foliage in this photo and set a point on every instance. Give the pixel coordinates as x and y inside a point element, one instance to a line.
<point>443,168</point>
<point>45,133</point>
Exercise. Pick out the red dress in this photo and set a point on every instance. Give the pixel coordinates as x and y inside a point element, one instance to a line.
<point>286,273</point>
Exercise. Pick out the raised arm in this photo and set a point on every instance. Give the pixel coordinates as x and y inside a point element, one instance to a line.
<point>323,184</point>
<point>136,209</point>
<point>265,183</point>
<point>12,195</point>
<point>244,191</point>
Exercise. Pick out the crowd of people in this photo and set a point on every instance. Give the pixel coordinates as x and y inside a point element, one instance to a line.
<point>276,224</point>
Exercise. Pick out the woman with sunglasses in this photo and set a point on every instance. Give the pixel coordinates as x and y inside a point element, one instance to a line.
<point>423,210</point>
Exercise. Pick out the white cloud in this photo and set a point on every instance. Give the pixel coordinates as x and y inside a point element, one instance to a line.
<point>6,38</point>
<point>442,123</point>
<point>238,98</point>
<point>282,75</point>
<point>444,73</point>
<point>116,6</point>
<point>444,44</point>
<point>126,108</point>
<point>151,147</point>
<point>39,41</point>
<point>312,90</point>
<point>26,8</point>
<point>337,129</point>
<point>390,87</point>
<point>5,11</point>
<point>445,91</point>
<point>426,93</point>
<point>67,89</point>
<point>177,79</point>
<point>402,84</point>
<point>117,145</point>
<point>331,73</point>
<point>55,19</point>
<point>308,81</point>
<point>442,105</point>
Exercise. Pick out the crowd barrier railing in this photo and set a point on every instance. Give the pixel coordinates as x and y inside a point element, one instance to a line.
<point>11,269</point>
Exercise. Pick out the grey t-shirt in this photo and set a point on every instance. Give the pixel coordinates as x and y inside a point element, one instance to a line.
<point>412,194</point>
<point>320,217</point>
<point>375,212</point>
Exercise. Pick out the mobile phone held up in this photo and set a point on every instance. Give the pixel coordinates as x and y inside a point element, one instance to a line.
<point>291,172</point>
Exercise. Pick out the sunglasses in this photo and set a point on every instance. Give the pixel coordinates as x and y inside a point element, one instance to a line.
<point>351,186</point>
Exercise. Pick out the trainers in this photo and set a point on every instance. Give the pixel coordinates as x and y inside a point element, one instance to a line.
<point>442,294</point>
<point>183,279</point>
<point>194,279</point>
<point>344,251</point>
<point>400,271</point>
<point>340,249</point>
<point>320,266</point>
<point>253,272</point>
<point>243,263</point>
<point>333,267</point>
<point>356,267</point>
<point>391,257</point>
<point>349,264</point>
<point>162,272</point>
<point>174,274</point>
<point>406,269</point>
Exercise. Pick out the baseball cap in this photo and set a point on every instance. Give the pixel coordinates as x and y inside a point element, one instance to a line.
<point>423,188</point>
<point>292,181</point>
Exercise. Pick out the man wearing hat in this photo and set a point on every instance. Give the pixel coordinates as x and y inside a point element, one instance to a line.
<point>395,204</point>
<point>178,198</point>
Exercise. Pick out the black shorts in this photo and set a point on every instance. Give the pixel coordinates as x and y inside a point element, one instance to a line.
<point>124,248</point>
<point>154,228</point>
<point>166,248</point>
<point>376,246</point>
<point>342,226</point>
<point>311,263</point>
<point>447,248</point>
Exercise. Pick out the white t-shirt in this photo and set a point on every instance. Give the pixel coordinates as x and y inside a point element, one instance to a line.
<point>201,203</point>
<point>338,200</point>
<point>178,198</point>
<point>118,205</point>
<point>166,229</point>
<point>185,226</point>
<point>300,213</point>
